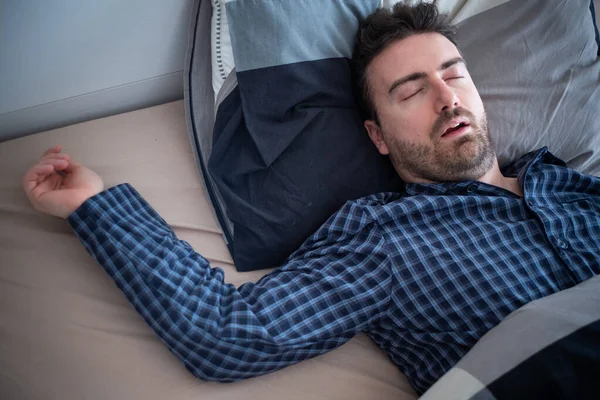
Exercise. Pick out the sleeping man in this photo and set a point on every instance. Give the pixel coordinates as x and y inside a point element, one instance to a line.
<point>425,274</point>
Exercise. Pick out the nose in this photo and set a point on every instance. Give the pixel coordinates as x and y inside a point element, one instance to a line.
<point>446,98</point>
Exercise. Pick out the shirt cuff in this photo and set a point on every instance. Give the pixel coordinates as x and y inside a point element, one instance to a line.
<point>118,202</point>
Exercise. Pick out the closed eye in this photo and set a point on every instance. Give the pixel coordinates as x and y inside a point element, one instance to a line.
<point>454,77</point>
<point>406,98</point>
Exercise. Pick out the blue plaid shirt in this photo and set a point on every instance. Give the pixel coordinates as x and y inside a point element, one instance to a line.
<point>424,274</point>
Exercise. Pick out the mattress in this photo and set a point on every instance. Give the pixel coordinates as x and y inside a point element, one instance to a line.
<point>67,332</point>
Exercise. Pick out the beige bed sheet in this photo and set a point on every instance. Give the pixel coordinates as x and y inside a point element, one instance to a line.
<point>67,332</point>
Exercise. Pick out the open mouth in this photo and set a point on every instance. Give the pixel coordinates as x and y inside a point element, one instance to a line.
<point>456,130</point>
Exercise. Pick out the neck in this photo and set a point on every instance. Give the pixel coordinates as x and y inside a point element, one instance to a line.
<point>495,177</point>
<point>492,177</point>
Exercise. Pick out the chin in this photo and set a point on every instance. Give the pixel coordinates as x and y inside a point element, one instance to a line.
<point>469,161</point>
<point>468,149</point>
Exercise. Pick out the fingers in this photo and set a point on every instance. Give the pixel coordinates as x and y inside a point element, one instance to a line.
<point>71,165</point>
<point>36,174</point>
<point>62,164</point>
<point>55,149</point>
<point>43,168</point>
<point>47,184</point>
<point>68,167</point>
<point>46,174</point>
<point>51,161</point>
<point>57,164</point>
<point>55,156</point>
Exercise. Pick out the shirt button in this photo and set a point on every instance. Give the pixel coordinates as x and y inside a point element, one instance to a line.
<point>562,244</point>
<point>471,188</point>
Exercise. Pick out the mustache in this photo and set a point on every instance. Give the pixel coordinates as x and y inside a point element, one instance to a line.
<point>447,116</point>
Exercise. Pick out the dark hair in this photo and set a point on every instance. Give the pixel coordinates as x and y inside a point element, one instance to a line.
<point>384,27</point>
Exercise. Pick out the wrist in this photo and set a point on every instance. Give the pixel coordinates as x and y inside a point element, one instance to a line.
<point>78,202</point>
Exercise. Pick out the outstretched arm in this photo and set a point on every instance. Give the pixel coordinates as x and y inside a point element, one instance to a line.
<point>334,287</point>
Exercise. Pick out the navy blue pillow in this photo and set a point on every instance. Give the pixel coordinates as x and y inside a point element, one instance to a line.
<point>289,147</point>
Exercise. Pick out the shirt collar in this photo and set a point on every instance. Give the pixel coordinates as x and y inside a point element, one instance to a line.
<point>518,168</point>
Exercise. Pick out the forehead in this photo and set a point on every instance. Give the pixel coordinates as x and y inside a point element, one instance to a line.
<point>423,52</point>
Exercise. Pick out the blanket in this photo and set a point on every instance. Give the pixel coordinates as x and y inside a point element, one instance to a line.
<point>548,349</point>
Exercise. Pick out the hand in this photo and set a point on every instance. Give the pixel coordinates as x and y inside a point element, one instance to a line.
<point>57,185</point>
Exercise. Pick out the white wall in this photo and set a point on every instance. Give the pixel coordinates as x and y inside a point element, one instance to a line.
<point>66,61</point>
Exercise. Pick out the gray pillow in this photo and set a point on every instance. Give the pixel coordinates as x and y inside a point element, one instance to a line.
<point>536,67</point>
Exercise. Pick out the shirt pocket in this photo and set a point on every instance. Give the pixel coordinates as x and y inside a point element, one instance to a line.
<point>579,202</point>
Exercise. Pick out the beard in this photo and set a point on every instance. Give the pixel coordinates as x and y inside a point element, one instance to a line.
<point>467,157</point>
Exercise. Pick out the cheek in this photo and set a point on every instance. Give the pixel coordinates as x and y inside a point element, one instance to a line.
<point>475,105</point>
<point>406,124</point>
<point>407,128</point>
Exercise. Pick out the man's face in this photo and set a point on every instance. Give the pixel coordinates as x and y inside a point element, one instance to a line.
<point>432,121</point>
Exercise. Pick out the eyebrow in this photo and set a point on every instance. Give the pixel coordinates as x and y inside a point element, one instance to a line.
<point>420,75</point>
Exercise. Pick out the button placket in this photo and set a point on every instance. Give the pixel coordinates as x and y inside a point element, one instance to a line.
<point>530,203</point>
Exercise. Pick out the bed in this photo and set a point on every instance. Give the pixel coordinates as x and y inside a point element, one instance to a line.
<point>67,332</point>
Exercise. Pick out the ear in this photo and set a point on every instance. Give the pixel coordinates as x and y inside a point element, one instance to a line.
<point>376,136</point>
